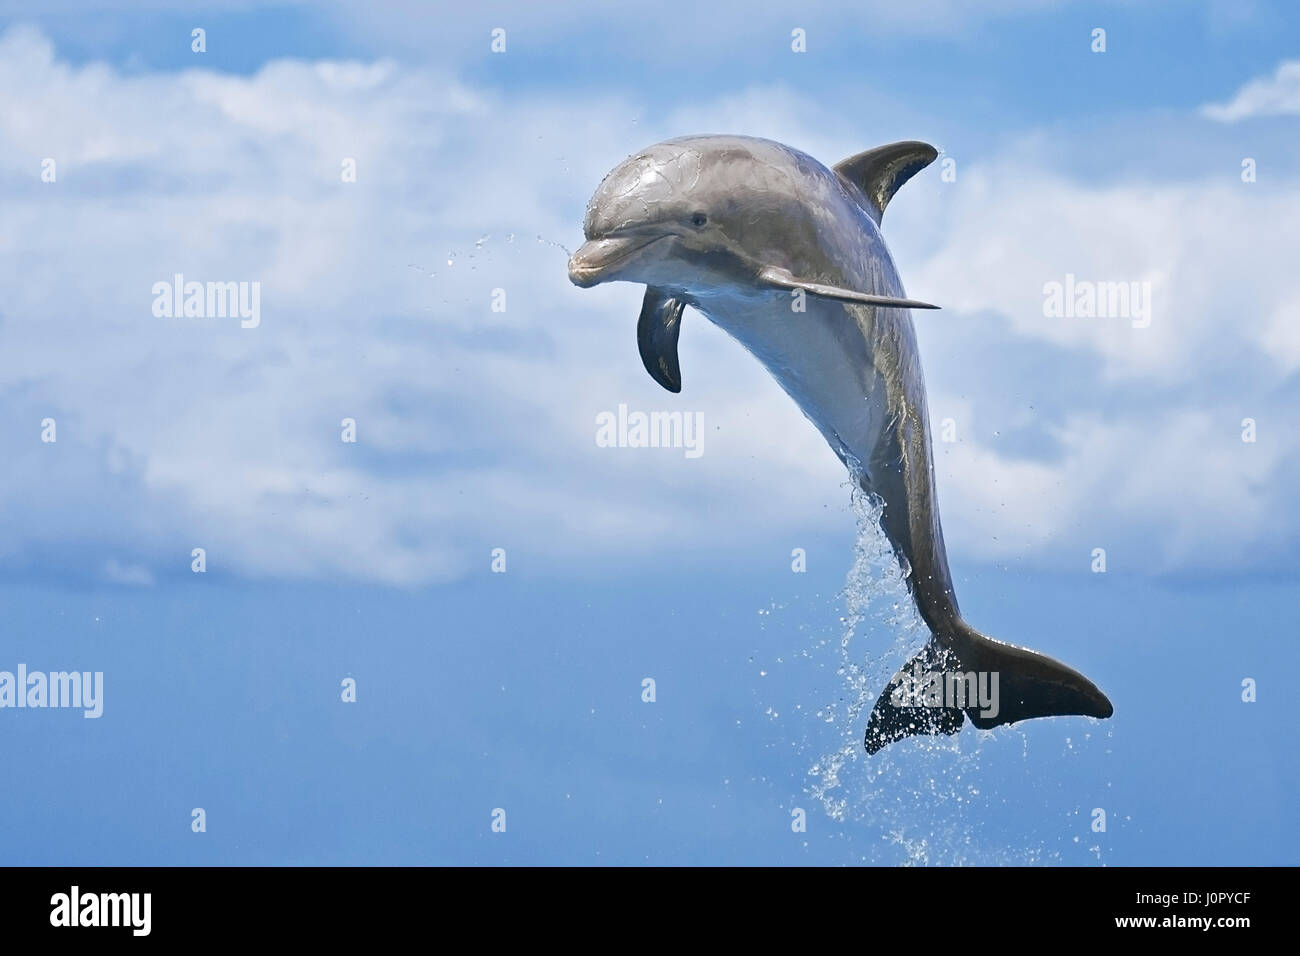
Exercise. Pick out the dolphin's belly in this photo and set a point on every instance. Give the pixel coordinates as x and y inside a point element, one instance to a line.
<point>821,358</point>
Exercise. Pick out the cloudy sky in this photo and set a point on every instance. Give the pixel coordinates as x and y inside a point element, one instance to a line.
<point>472,171</point>
<point>1168,159</point>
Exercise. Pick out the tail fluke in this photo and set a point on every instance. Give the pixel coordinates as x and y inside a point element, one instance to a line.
<point>1031,684</point>
<point>900,711</point>
<point>992,683</point>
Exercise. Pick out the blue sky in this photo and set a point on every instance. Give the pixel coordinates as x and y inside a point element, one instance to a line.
<point>371,560</point>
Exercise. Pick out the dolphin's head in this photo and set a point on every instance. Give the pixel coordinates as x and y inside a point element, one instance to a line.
<point>704,220</point>
<point>692,215</point>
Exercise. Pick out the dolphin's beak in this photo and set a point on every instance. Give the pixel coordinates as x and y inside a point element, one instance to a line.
<point>597,259</point>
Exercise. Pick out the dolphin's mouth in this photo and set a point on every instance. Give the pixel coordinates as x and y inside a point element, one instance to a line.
<point>596,258</point>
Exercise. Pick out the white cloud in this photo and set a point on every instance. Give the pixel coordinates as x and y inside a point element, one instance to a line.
<point>1281,336</point>
<point>1276,95</point>
<point>1162,491</point>
<point>689,30</point>
<point>477,428</point>
<point>1140,427</point>
<point>1215,253</point>
<point>127,574</point>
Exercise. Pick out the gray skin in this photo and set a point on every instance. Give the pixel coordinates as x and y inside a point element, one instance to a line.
<point>746,230</point>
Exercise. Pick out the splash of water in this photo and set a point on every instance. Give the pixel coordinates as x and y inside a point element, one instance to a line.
<point>875,594</point>
<point>550,242</point>
<point>921,795</point>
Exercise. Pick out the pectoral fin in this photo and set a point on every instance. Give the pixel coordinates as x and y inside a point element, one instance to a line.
<point>656,336</point>
<point>782,279</point>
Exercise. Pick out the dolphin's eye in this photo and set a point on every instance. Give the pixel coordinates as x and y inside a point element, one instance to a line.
<point>699,220</point>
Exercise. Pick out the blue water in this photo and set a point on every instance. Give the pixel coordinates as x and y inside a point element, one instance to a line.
<point>522,692</point>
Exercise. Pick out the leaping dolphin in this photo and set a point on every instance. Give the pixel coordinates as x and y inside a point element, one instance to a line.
<point>747,231</point>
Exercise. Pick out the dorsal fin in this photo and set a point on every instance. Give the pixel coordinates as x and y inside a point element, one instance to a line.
<point>879,172</point>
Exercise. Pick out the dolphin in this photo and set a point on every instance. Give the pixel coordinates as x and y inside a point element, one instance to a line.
<point>787,257</point>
